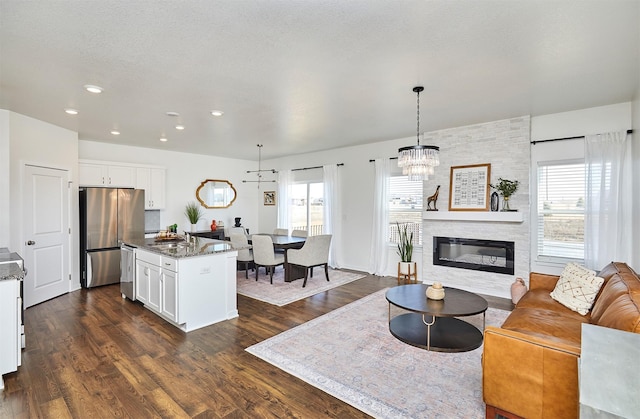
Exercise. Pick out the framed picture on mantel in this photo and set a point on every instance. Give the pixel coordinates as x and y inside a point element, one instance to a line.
<point>469,187</point>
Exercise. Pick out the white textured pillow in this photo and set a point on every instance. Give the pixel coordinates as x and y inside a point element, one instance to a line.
<point>577,288</point>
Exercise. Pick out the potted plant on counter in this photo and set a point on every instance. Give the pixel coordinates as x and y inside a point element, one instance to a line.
<point>506,188</point>
<point>406,267</point>
<point>193,213</point>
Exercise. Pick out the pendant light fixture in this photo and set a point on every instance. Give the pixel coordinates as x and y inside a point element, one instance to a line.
<point>260,170</point>
<point>418,161</point>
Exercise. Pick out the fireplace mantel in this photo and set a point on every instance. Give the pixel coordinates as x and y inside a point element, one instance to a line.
<point>490,216</point>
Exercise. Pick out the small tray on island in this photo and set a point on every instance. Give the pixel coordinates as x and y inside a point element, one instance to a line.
<point>167,236</point>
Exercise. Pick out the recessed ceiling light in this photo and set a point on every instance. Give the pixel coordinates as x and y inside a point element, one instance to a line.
<point>92,88</point>
<point>217,113</point>
<point>71,111</point>
<point>180,127</point>
<point>163,139</point>
<point>115,132</point>
<point>173,114</point>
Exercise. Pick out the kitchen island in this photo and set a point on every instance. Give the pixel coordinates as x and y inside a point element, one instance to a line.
<point>189,284</point>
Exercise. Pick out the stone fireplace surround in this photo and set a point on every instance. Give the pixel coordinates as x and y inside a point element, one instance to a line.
<point>506,146</point>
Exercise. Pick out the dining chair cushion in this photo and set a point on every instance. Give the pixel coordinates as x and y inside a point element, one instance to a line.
<point>264,255</point>
<point>315,252</point>
<point>281,232</point>
<point>299,233</point>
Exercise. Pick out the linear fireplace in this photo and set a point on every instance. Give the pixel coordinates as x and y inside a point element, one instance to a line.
<point>480,255</point>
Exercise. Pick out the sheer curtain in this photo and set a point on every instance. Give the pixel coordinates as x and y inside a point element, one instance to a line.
<point>284,186</point>
<point>608,206</point>
<point>379,235</point>
<point>331,211</point>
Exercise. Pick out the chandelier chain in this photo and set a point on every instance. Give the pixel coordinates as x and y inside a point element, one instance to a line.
<point>418,119</point>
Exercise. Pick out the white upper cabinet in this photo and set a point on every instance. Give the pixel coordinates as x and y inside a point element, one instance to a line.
<point>94,174</point>
<point>152,180</point>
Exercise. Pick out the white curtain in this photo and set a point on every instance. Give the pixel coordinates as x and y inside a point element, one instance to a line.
<point>380,231</point>
<point>332,208</point>
<point>608,206</point>
<point>284,186</point>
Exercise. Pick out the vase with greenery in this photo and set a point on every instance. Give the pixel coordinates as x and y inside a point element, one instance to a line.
<point>506,188</point>
<point>405,247</point>
<point>193,213</point>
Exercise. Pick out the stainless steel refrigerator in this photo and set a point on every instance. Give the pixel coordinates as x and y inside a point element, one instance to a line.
<point>108,217</point>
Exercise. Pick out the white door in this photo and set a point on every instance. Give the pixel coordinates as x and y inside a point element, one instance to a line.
<point>46,233</point>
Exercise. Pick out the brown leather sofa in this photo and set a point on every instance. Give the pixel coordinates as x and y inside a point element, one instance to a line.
<point>530,363</point>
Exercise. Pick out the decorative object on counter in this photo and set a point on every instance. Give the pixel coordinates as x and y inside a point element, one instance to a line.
<point>435,291</point>
<point>518,289</point>
<point>495,201</point>
<point>260,170</point>
<point>405,251</point>
<point>193,213</point>
<point>270,198</point>
<point>214,226</point>
<point>237,219</point>
<point>220,224</point>
<point>433,198</point>
<point>216,193</point>
<point>469,187</point>
<point>506,188</point>
<point>418,161</point>
<point>173,228</point>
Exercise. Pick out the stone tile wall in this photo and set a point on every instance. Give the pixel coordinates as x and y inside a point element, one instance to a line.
<point>506,145</point>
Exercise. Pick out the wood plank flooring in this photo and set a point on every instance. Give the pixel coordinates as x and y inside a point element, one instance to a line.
<point>92,354</point>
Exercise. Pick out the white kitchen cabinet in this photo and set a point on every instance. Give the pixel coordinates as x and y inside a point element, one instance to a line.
<point>10,342</point>
<point>189,292</point>
<point>169,294</point>
<point>148,279</point>
<point>152,180</point>
<point>96,174</point>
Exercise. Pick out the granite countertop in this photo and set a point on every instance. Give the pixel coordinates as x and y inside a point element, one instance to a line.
<point>10,271</point>
<point>179,248</point>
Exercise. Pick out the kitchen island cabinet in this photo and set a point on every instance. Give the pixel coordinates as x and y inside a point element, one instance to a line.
<point>189,285</point>
<point>10,313</point>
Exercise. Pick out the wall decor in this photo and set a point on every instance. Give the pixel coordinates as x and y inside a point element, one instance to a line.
<point>270,198</point>
<point>469,187</point>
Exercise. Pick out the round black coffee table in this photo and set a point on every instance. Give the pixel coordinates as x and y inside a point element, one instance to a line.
<point>432,324</point>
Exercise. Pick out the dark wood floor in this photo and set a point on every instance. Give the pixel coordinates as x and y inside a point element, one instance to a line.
<point>91,354</point>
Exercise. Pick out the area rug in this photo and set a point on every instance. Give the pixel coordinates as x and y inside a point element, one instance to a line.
<point>281,293</point>
<point>350,354</point>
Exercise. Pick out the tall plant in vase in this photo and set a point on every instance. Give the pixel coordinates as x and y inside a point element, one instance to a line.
<point>405,248</point>
<point>193,213</point>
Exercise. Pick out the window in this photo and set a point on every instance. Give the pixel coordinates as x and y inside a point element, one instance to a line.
<point>560,209</point>
<point>306,207</point>
<point>405,208</point>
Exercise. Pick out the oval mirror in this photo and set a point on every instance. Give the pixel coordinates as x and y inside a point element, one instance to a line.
<point>215,193</point>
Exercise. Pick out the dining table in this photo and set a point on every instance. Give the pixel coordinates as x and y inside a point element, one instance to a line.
<point>284,242</point>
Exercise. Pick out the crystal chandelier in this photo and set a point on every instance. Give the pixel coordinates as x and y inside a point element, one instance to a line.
<point>418,161</point>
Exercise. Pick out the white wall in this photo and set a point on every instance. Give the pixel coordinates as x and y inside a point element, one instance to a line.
<point>42,144</point>
<point>184,174</point>
<point>5,172</point>
<point>636,166</point>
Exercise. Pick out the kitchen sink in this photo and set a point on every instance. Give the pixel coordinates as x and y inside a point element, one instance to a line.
<point>174,245</point>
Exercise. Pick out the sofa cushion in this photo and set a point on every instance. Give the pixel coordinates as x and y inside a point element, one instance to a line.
<point>618,305</point>
<point>561,326</point>
<point>541,299</point>
<point>577,288</point>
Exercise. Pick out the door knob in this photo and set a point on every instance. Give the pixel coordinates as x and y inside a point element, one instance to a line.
<point>30,243</point>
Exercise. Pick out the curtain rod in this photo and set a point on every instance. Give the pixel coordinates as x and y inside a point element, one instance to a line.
<point>629,131</point>
<point>314,167</point>
<point>390,158</point>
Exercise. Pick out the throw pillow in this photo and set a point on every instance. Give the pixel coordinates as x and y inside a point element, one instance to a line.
<point>577,288</point>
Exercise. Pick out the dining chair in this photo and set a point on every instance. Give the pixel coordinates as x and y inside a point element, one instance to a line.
<point>281,232</point>
<point>245,254</point>
<point>315,252</point>
<point>263,255</point>
<point>299,233</point>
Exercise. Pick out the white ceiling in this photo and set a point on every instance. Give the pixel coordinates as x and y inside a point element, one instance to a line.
<point>301,76</point>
